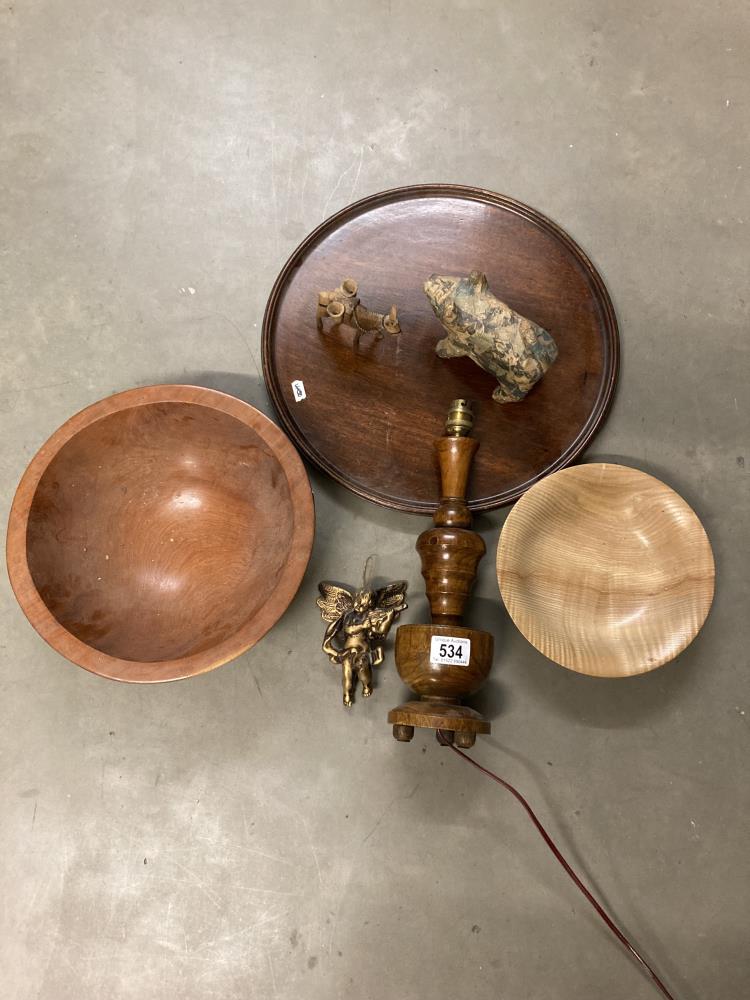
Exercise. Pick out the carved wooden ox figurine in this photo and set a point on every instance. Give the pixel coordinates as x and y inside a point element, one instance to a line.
<point>343,308</point>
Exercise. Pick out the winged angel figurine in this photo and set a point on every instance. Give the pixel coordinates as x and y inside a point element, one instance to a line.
<point>358,625</point>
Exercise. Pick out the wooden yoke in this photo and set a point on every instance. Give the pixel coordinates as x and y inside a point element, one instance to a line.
<point>444,662</point>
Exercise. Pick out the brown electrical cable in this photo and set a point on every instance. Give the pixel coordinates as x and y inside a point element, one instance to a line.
<point>443,739</point>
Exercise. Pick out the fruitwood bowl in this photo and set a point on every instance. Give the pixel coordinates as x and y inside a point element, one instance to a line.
<point>605,570</point>
<point>160,533</point>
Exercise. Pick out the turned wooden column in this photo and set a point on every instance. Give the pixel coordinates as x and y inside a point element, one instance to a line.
<point>450,553</point>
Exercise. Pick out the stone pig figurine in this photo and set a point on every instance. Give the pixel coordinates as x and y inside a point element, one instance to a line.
<point>513,349</point>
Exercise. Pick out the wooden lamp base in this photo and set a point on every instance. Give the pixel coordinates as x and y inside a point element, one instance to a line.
<point>440,686</point>
<point>444,662</point>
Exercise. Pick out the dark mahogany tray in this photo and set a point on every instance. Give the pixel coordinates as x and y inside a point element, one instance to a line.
<point>369,419</point>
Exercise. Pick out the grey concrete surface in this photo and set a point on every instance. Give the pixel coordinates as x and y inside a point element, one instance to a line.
<point>240,835</point>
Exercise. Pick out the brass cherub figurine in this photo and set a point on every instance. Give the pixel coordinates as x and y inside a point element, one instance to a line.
<point>359,624</point>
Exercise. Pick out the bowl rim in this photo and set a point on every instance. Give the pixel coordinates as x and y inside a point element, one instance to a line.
<point>117,668</point>
<point>587,473</point>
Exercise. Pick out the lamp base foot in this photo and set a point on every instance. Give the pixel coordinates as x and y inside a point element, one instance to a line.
<point>456,723</point>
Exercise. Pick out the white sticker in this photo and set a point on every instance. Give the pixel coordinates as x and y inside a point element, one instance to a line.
<point>298,389</point>
<point>449,649</point>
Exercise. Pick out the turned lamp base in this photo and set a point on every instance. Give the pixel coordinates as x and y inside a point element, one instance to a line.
<point>440,685</point>
<point>444,662</point>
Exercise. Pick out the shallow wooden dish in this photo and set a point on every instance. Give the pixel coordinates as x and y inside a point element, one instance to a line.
<point>606,570</point>
<point>160,533</point>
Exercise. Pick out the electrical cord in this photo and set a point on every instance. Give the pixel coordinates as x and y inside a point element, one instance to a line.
<point>443,738</point>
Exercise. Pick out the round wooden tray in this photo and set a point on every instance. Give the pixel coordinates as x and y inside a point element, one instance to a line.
<point>368,418</point>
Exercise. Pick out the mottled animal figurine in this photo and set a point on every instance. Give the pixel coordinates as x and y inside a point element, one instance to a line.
<point>513,349</point>
<point>343,308</point>
<point>358,625</point>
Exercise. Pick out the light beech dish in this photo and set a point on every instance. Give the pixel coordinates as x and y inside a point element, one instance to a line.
<point>160,533</point>
<point>605,570</point>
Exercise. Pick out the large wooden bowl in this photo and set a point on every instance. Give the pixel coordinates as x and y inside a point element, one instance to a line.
<point>160,533</point>
<point>606,570</point>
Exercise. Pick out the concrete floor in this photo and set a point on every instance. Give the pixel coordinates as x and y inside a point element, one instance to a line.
<point>240,835</point>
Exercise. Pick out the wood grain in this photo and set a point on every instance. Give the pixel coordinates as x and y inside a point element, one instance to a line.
<point>369,415</point>
<point>606,570</point>
<point>441,680</point>
<point>160,533</point>
<point>450,553</point>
